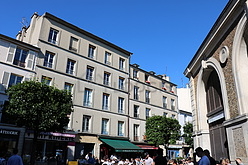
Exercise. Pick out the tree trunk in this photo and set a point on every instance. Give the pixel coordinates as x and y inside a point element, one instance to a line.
<point>33,156</point>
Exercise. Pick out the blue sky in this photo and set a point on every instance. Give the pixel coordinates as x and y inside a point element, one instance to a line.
<point>163,35</point>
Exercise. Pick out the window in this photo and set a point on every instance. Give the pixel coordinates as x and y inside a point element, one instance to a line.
<point>135,74</point>
<point>70,66</point>
<point>91,53</point>
<point>172,104</point>
<point>106,78</point>
<point>136,93</point>
<point>68,87</point>
<point>136,111</point>
<point>88,97</point>
<point>105,126</point>
<point>147,79</point>
<point>14,79</point>
<point>120,105</point>
<point>165,114</point>
<point>89,73</point>
<point>86,123</point>
<point>148,113</point>
<point>147,95</point>
<point>136,132</point>
<point>20,57</point>
<point>121,83</point>
<point>105,101</point>
<point>107,59</point>
<point>163,85</point>
<point>173,116</point>
<point>73,44</point>
<point>164,102</point>
<point>121,64</point>
<point>53,36</point>
<point>120,128</point>
<point>46,80</point>
<point>48,60</point>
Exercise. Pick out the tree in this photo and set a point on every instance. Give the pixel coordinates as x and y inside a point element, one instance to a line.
<point>188,130</point>
<point>38,107</point>
<point>161,130</point>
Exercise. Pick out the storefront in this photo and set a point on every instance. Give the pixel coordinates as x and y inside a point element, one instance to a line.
<point>50,146</point>
<point>11,137</point>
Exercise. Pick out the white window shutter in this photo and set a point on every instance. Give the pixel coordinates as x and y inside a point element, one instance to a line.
<point>12,49</point>
<point>5,81</point>
<point>31,59</point>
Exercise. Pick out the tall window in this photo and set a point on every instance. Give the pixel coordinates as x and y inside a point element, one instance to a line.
<point>46,80</point>
<point>164,102</point>
<point>106,78</point>
<point>121,83</point>
<point>70,66</point>
<point>48,60</point>
<point>173,104</point>
<point>173,116</point>
<point>20,57</point>
<point>105,101</point>
<point>68,87</point>
<point>14,79</point>
<point>136,111</point>
<point>88,97</point>
<point>121,64</point>
<point>147,79</point>
<point>120,128</point>
<point>73,44</point>
<point>165,114</point>
<point>105,126</point>
<point>53,36</point>
<point>120,105</point>
<point>91,52</point>
<point>107,58</point>
<point>89,73</point>
<point>135,74</point>
<point>147,95</point>
<point>136,132</point>
<point>86,123</point>
<point>148,113</point>
<point>136,93</point>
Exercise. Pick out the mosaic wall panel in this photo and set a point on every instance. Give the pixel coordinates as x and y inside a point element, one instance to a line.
<point>239,142</point>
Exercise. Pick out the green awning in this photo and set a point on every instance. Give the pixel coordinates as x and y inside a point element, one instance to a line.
<point>122,145</point>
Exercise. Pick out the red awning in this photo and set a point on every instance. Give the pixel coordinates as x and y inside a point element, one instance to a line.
<point>147,147</point>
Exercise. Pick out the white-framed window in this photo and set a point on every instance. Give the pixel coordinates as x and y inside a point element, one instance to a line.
<point>120,128</point>
<point>136,132</point>
<point>173,104</point>
<point>68,87</point>
<point>173,116</point>
<point>105,101</point>
<point>46,80</point>
<point>53,36</point>
<point>106,78</point>
<point>70,68</point>
<point>147,95</point>
<point>10,79</point>
<point>136,111</point>
<point>164,102</point>
<point>165,114</point>
<point>107,58</point>
<point>121,105</point>
<point>136,93</point>
<point>147,79</point>
<point>86,123</point>
<point>105,126</point>
<point>88,97</point>
<point>89,73</point>
<point>14,79</point>
<point>73,44</point>
<point>135,74</point>
<point>121,83</point>
<point>148,113</point>
<point>20,57</point>
<point>122,64</point>
<point>48,60</point>
<point>91,52</point>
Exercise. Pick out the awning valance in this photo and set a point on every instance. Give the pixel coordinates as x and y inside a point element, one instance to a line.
<point>122,145</point>
<point>147,147</point>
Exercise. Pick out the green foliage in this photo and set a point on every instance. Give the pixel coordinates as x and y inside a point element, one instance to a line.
<point>188,130</point>
<point>38,106</point>
<point>161,130</point>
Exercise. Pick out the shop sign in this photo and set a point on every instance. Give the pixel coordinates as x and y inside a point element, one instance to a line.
<point>9,132</point>
<point>54,136</point>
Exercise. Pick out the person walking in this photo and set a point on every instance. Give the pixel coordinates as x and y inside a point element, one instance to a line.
<point>211,159</point>
<point>15,159</point>
<point>204,159</point>
<point>148,160</point>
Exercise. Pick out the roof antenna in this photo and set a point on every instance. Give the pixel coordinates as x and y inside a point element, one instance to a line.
<point>24,22</point>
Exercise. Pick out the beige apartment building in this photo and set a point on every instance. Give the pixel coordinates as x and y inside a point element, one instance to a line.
<point>112,99</point>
